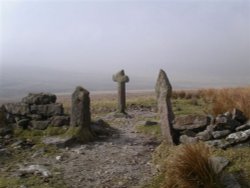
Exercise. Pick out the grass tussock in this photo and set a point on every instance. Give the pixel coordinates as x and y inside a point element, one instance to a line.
<point>190,166</point>
<point>224,100</point>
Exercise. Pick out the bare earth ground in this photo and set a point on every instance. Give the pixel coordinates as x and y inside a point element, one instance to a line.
<point>122,161</point>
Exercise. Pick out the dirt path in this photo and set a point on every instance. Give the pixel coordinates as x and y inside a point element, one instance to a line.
<point>124,160</point>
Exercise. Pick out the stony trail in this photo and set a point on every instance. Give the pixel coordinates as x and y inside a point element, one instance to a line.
<point>124,160</point>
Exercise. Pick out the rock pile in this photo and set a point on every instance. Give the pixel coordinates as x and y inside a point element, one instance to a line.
<point>36,111</point>
<point>228,129</point>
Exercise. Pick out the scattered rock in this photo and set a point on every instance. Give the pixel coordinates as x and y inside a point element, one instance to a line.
<point>188,133</point>
<point>24,123</point>
<point>100,127</point>
<point>220,134</point>
<point>218,163</point>
<point>223,122</point>
<point>184,139</point>
<point>150,123</point>
<point>229,181</point>
<point>35,169</point>
<point>191,122</point>
<point>39,98</point>
<point>40,125</point>
<point>238,115</point>
<point>59,142</point>
<point>204,135</point>
<point>58,121</point>
<point>47,110</point>
<point>17,108</point>
<point>218,143</point>
<point>238,137</point>
<point>243,127</point>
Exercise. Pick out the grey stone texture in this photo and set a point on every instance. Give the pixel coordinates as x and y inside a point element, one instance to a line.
<point>121,79</point>
<point>80,109</point>
<point>163,91</point>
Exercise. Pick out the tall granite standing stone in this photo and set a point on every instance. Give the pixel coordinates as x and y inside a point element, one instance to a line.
<point>163,91</point>
<point>80,114</point>
<point>121,79</point>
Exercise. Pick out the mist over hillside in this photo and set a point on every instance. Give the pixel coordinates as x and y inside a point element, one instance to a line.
<point>18,82</point>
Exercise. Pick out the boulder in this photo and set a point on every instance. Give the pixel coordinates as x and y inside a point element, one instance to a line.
<point>150,123</point>
<point>17,108</point>
<point>58,121</point>
<point>229,181</point>
<point>188,133</point>
<point>204,135</point>
<point>39,98</point>
<point>218,163</point>
<point>47,110</point>
<point>238,115</point>
<point>219,143</point>
<point>223,122</point>
<point>40,125</point>
<point>35,116</point>
<point>220,134</point>
<point>184,139</point>
<point>101,127</point>
<point>24,123</point>
<point>243,127</point>
<point>238,137</point>
<point>192,122</point>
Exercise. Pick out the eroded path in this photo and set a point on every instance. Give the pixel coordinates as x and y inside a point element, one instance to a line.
<point>124,160</point>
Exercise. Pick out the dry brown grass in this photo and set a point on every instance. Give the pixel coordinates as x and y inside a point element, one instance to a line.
<point>189,166</point>
<point>224,100</point>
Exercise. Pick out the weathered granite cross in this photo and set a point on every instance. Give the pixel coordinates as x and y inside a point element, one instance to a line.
<point>121,79</point>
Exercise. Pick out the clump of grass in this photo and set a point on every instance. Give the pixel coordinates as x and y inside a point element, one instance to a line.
<point>189,167</point>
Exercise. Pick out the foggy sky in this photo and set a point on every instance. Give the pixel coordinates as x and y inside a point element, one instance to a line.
<point>56,45</point>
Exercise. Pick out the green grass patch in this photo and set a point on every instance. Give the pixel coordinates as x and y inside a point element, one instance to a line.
<point>31,181</point>
<point>153,130</point>
<point>239,162</point>
<point>186,107</point>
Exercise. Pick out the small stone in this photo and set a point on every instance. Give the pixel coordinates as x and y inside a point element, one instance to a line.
<point>58,158</point>
<point>229,181</point>
<point>184,139</point>
<point>35,169</point>
<point>218,163</point>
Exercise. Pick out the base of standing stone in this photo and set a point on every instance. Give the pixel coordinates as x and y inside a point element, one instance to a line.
<point>80,134</point>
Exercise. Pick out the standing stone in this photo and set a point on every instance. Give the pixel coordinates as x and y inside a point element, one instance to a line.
<point>80,115</point>
<point>121,79</point>
<point>163,91</point>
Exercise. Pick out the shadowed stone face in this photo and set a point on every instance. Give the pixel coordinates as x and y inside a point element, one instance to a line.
<point>163,91</point>
<point>121,79</point>
<point>80,110</point>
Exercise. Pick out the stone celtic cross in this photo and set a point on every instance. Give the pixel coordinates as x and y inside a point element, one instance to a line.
<point>121,79</point>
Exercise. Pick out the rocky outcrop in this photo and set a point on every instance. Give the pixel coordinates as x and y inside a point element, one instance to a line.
<point>36,111</point>
<point>228,129</point>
